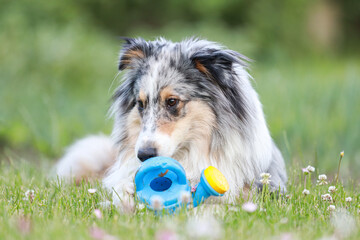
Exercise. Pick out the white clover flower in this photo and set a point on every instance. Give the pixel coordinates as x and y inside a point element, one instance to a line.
<point>332,189</point>
<point>331,208</point>
<point>234,209</point>
<point>322,180</point>
<point>105,204</point>
<point>29,195</point>
<point>166,235</point>
<point>344,223</point>
<point>249,207</point>
<point>348,199</point>
<point>310,168</point>
<point>204,227</point>
<point>265,175</point>
<point>305,171</point>
<point>157,202</point>
<point>92,190</point>
<point>98,233</point>
<point>284,220</point>
<point>265,178</point>
<point>322,177</point>
<point>306,192</point>
<point>326,197</point>
<point>141,206</point>
<point>98,213</point>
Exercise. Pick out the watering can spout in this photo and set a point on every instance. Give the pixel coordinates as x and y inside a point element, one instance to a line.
<point>212,183</point>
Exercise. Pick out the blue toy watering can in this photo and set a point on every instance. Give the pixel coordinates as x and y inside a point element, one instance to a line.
<point>165,178</point>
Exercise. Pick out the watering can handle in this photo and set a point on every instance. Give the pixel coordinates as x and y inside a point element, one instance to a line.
<point>174,167</point>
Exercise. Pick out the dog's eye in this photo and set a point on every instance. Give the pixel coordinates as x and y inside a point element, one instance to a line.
<point>172,102</point>
<point>140,105</point>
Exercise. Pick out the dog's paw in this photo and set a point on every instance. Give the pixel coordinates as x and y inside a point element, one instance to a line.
<point>129,188</point>
<point>123,198</point>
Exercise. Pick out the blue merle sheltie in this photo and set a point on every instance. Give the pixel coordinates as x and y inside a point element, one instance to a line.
<point>190,100</point>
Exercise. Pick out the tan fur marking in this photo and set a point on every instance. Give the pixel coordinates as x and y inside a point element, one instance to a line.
<point>201,68</point>
<point>142,96</point>
<point>199,126</point>
<point>134,53</point>
<point>166,93</point>
<point>128,57</point>
<point>166,127</point>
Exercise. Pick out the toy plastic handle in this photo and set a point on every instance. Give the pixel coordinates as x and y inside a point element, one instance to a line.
<point>176,168</point>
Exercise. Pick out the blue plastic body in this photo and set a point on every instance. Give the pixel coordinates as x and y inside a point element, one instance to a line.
<point>164,177</point>
<point>203,191</point>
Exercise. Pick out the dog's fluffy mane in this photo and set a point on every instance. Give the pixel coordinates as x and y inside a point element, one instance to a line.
<point>237,138</point>
<point>241,146</point>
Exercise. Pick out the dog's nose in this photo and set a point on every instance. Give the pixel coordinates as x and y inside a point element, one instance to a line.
<point>146,153</point>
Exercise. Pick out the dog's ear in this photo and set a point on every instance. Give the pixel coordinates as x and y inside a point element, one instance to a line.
<point>218,67</point>
<point>213,63</point>
<point>133,51</point>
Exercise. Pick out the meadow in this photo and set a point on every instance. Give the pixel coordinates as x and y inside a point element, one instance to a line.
<point>59,90</point>
<point>34,206</point>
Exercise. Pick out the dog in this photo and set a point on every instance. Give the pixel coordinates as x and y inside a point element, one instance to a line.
<point>190,100</point>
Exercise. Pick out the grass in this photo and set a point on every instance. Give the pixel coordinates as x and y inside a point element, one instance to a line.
<point>66,211</point>
<point>57,86</point>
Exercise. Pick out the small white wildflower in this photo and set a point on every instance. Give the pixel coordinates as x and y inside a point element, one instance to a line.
<point>305,171</point>
<point>24,225</point>
<point>166,235</point>
<point>262,209</point>
<point>105,204</point>
<point>322,177</point>
<point>332,189</point>
<point>322,180</point>
<point>284,220</point>
<point>98,233</point>
<point>306,192</point>
<point>265,178</point>
<point>156,202</point>
<point>185,197</point>
<point>286,236</point>
<point>204,227</point>
<point>249,207</point>
<point>310,168</point>
<point>331,208</point>
<point>98,213</point>
<point>326,197</point>
<point>92,190</point>
<point>29,195</point>
<point>344,223</point>
<point>265,175</point>
<point>342,154</point>
<point>233,209</point>
<point>141,206</point>
<point>348,199</point>
<point>288,196</point>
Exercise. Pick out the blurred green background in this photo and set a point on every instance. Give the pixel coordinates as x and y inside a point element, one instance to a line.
<point>58,63</point>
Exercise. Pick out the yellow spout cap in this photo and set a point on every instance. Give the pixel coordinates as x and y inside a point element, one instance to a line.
<point>216,180</point>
